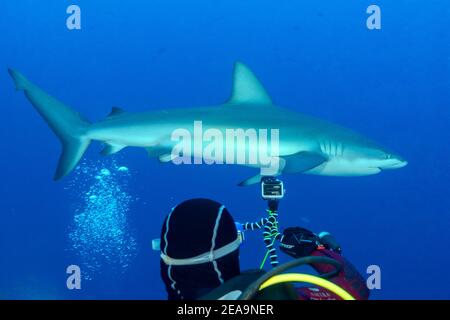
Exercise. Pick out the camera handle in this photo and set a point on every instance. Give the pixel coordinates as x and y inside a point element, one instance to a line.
<point>270,223</point>
<point>270,233</point>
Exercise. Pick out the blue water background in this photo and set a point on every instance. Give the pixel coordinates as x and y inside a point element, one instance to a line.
<point>315,57</point>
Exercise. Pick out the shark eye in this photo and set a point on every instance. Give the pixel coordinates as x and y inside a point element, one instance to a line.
<point>388,156</point>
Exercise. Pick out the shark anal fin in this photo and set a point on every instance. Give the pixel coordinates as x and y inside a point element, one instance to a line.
<point>302,161</point>
<point>156,151</point>
<point>247,88</point>
<point>111,148</point>
<point>163,154</point>
<point>167,157</point>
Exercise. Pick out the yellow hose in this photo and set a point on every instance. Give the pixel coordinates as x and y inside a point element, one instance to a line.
<point>300,277</point>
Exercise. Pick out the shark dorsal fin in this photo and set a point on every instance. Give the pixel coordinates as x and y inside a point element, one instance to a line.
<point>246,87</point>
<point>115,111</point>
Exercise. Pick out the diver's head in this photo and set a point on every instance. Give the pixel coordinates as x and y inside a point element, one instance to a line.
<point>199,248</point>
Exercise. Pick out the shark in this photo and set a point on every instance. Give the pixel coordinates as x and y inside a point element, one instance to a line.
<point>306,144</point>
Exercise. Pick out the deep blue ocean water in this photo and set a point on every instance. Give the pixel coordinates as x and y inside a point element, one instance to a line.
<point>316,57</point>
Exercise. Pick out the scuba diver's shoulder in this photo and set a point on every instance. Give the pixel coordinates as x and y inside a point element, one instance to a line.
<point>233,288</point>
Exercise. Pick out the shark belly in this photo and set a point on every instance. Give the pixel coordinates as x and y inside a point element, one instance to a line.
<point>337,166</point>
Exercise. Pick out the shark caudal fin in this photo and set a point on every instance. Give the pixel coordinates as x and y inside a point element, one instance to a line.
<point>68,125</point>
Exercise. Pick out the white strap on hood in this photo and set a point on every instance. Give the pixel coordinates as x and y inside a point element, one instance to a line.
<point>209,256</point>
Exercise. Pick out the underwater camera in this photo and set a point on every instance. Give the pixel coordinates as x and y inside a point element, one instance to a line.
<point>272,188</point>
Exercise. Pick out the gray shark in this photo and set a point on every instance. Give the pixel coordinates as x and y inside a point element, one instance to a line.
<point>306,144</point>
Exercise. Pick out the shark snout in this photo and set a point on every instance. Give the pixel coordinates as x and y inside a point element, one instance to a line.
<point>395,162</point>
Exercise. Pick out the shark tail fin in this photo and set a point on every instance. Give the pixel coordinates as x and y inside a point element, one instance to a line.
<point>67,124</point>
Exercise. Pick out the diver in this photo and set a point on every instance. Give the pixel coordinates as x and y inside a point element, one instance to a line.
<point>200,258</point>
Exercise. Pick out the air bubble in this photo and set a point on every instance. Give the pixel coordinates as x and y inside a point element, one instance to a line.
<point>100,233</point>
<point>105,172</point>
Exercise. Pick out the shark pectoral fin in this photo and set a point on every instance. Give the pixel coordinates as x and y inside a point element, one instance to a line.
<point>247,88</point>
<point>116,111</point>
<point>295,163</point>
<point>302,162</point>
<point>111,148</point>
<point>251,180</point>
<point>274,169</point>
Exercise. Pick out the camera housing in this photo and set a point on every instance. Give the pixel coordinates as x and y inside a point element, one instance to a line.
<point>272,188</point>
